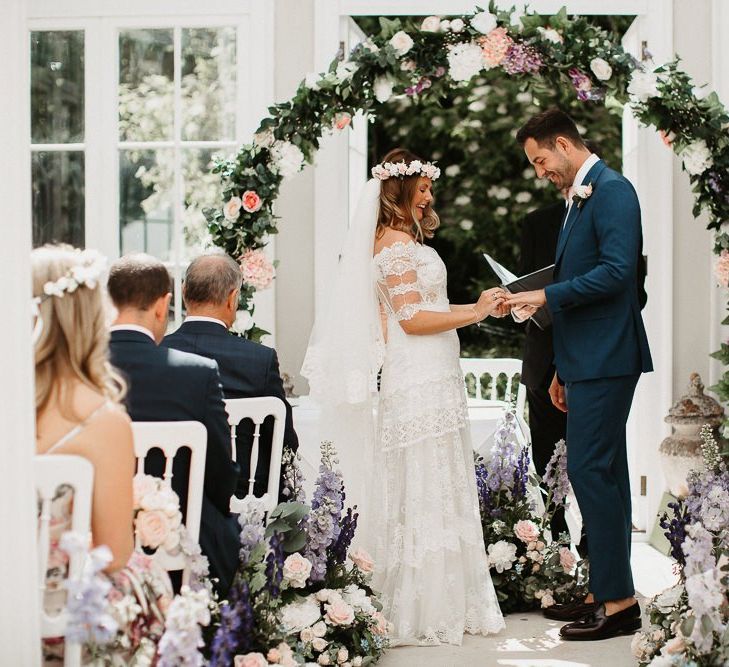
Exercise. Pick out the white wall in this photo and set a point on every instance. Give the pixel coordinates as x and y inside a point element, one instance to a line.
<point>294,57</point>
<point>19,644</point>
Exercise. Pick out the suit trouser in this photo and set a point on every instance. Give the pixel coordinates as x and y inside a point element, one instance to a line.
<point>597,465</point>
<point>548,425</point>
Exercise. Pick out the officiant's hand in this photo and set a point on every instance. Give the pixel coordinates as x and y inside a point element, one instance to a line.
<point>535,298</point>
<point>556,393</point>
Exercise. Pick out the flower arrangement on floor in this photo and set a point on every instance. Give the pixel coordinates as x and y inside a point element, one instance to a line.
<point>302,595</point>
<point>131,616</point>
<point>690,621</point>
<point>528,568</point>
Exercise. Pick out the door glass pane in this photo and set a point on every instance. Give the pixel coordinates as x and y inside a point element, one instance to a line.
<point>208,84</point>
<point>146,85</point>
<point>145,201</point>
<point>58,197</point>
<point>202,190</point>
<point>57,86</point>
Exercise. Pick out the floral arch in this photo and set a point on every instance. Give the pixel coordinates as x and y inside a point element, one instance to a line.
<point>424,61</point>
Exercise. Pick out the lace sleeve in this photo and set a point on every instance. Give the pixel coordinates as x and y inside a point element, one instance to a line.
<point>398,285</point>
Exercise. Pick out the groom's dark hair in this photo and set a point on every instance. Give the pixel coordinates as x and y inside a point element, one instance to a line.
<point>545,127</point>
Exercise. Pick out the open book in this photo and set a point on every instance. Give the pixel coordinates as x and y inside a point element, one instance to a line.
<point>532,281</point>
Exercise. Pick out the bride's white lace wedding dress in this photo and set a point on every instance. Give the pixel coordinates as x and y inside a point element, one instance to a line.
<point>431,565</point>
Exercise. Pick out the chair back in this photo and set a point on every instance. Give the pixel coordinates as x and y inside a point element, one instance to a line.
<point>52,471</point>
<point>257,409</point>
<point>491,390</point>
<point>170,437</point>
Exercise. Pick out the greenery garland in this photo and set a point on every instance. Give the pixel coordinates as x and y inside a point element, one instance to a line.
<point>554,51</point>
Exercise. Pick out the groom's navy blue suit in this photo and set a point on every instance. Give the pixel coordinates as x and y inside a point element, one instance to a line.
<point>600,350</point>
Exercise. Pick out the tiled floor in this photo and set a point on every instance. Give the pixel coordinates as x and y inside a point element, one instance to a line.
<point>530,640</point>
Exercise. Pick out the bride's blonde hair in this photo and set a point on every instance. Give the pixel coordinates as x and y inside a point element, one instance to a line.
<point>396,202</point>
<point>74,339</point>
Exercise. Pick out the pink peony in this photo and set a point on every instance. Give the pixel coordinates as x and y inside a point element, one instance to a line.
<point>339,612</point>
<point>342,120</point>
<point>257,270</point>
<point>494,46</point>
<point>721,270</point>
<point>152,527</point>
<point>251,202</point>
<point>567,559</point>
<point>526,531</point>
<point>250,660</point>
<point>362,560</point>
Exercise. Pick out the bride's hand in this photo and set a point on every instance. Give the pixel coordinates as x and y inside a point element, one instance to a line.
<point>490,302</point>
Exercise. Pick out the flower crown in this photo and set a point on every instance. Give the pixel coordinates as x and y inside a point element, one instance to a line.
<point>87,272</point>
<point>386,170</point>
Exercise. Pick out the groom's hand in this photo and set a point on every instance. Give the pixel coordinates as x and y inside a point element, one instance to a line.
<point>556,393</point>
<point>535,298</point>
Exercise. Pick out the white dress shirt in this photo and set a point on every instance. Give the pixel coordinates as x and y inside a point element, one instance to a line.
<point>133,327</point>
<point>202,318</point>
<point>588,164</point>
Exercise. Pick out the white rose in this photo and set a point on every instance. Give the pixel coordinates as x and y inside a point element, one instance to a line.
<point>696,157</point>
<point>231,209</point>
<point>484,22</point>
<point>264,138</point>
<point>383,88</point>
<point>319,629</point>
<point>296,570</point>
<point>516,17</point>
<point>288,158</point>
<point>430,24</point>
<point>466,225</point>
<point>601,69</point>
<point>457,25</point>
<point>502,555</point>
<point>643,86</point>
<point>306,635</point>
<point>462,200</point>
<point>401,42</point>
<point>452,170</point>
<point>311,81</point>
<point>465,60</point>
<point>243,322</point>
<point>319,644</point>
<point>345,70</point>
<point>445,25</point>
<point>342,655</point>
<point>551,35</point>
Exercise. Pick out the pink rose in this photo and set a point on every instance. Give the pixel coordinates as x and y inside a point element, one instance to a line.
<point>342,120</point>
<point>257,269</point>
<point>152,527</point>
<point>274,656</point>
<point>675,645</point>
<point>381,625</point>
<point>250,660</point>
<point>567,559</point>
<point>362,560</point>
<point>231,210</point>
<point>296,570</point>
<point>251,202</point>
<point>319,644</point>
<point>526,531</point>
<point>338,612</point>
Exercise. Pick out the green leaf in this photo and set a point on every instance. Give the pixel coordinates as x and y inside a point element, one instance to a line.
<point>294,542</point>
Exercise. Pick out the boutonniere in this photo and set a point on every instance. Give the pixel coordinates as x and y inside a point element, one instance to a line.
<point>581,193</point>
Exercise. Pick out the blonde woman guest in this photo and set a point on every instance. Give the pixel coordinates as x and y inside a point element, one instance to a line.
<point>78,412</point>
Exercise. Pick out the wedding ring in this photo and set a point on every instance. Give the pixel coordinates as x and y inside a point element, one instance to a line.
<point>494,297</point>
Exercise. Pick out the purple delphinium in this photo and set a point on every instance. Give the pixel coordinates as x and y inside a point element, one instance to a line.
<point>253,529</point>
<point>675,529</point>
<point>521,475</point>
<point>522,59</point>
<point>347,528</point>
<point>555,474</point>
<point>236,627</point>
<point>274,565</point>
<point>326,511</point>
<point>504,455</point>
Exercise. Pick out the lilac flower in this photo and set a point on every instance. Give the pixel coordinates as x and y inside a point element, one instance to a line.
<point>697,549</point>
<point>326,511</point>
<point>522,59</point>
<point>182,640</point>
<point>253,529</point>
<point>504,455</point>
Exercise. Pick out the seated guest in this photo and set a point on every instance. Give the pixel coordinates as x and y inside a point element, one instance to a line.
<point>169,385</point>
<point>210,291</point>
<point>79,412</point>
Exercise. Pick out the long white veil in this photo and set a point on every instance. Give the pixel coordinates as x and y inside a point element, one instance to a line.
<point>346,350</point>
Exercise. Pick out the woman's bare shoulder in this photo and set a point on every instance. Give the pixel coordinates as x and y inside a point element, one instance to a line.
<point>390,237</point>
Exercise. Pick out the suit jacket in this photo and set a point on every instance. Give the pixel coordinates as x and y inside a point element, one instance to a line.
<point>598,330</point>
<point>247,369</point>
<point>539,234</point>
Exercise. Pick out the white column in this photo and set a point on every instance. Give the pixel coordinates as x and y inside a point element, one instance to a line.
<point>19,625</point>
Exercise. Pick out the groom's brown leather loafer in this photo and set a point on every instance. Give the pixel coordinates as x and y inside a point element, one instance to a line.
<point>572,611</point>
<point>598,625</point>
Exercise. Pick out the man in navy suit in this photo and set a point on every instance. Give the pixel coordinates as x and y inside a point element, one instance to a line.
<point>600,350</point>
<point>210,290</point>
<point>168,385</point>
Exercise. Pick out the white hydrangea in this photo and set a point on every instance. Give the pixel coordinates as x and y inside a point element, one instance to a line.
<point>643,86</point>
<point>465,60</point>
<point>358,598</point>
<point>299,615</point>
<point>287,157</point>
<point>484,22</point>
<point>696,157</point>
<point>502,555</point>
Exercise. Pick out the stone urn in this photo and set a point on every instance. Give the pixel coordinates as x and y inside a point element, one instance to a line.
<point>681,451</point>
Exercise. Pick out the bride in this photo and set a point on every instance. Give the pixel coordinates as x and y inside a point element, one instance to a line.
<point>388,341</point>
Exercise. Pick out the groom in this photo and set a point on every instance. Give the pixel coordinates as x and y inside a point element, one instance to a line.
<point>600,350</point>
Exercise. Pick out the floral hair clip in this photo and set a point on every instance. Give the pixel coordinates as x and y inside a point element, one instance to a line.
<point>87,272</point>
<point>399,169</point>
